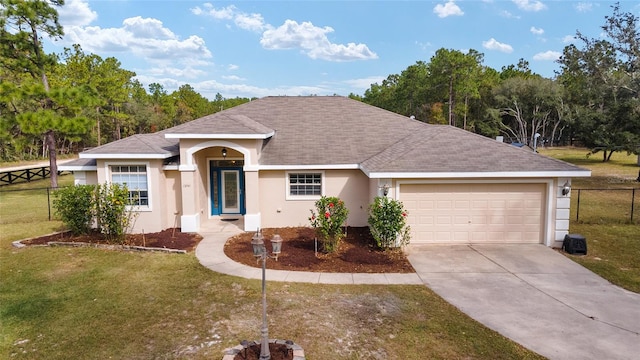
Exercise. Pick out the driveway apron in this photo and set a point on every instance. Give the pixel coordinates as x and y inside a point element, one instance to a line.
<point>536,297</point>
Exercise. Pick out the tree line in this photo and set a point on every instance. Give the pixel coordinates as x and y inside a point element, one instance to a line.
<point>593,99</point>
<point>54,104</point>
<point>62,103</point>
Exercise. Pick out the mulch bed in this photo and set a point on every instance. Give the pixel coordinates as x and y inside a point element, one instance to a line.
<point>166,239</point>
<point>355,254</point>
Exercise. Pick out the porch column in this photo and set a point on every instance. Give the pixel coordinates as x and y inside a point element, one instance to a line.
<point>252,200</point>
<point>190,219</point>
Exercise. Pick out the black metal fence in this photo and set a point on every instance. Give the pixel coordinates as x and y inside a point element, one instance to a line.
<point>20,206</point>
<point>25,174</point>
<point>605,205</point>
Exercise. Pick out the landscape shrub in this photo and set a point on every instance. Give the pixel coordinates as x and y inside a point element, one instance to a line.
<point>388,223</point>
<point>106,205</point>
<point>114,217</point>
<point>75,206</point>
<point>328,219</point>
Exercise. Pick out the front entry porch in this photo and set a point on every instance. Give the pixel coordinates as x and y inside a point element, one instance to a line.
<point>226,187</point>
<point>219,182</point>
<point>224,223</point>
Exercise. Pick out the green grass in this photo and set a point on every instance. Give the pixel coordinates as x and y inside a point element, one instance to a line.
<point>68,303</point>
<point>613,241</point>
<point>620,171</point>
<point>84,303</point>
<point>24,208</point>
<point>613,252</point>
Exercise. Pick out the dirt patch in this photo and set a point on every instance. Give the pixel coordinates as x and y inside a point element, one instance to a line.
<point>355,254</point>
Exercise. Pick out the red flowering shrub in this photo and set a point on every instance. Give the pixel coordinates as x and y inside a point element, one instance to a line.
<point>330,226</point>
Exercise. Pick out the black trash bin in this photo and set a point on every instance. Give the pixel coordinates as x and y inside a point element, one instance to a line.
<point>575,244</point>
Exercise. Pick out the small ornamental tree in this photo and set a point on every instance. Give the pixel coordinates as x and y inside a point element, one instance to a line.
<point>388,223</point>
<point>328,219</point>
<point>75,206</point>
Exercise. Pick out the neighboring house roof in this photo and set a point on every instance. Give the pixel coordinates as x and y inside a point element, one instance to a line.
<point>334,132</point>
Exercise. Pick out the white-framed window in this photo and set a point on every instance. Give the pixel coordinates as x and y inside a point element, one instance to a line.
<point>136,180</point>
<point>305,185</point>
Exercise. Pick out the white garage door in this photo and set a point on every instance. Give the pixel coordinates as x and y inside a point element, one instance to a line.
<point>474,213</point>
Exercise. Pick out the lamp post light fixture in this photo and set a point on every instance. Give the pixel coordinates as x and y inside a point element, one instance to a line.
<point>260,252</point>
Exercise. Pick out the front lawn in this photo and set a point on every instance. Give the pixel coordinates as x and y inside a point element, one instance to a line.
<point>613,241</point>
<point>85,303</point>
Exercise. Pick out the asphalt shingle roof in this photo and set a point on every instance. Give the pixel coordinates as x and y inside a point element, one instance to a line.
<point>333,130</point>
<point>139,144</point>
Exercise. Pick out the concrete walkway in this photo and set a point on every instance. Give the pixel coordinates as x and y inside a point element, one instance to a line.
<point>528,293</point>
<point>210,253</point>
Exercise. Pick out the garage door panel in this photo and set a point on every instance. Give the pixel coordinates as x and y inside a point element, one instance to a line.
<point>465,213</point>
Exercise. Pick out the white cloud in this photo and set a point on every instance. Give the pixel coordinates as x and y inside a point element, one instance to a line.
<point>547,56</point>
<point>448,9</point>
<point>493,44</point>
<point>536,31</point>
<point>567,39</point>
<point>251,22</point>
<point>226,13</point>
<point>530,5</point>
<point>508,15</point>
<point>365,83</point>
<point>583,7</point>
<point>314,42</point>
<point>76,13</point>
<point>233,67</point>
<point>144,37</point>
<point>188,73</point>
<point>233,78</point>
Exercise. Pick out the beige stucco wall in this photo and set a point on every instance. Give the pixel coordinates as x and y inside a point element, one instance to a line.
<point>352,186</point>
<point>164,199</point>
<point>173,198</point>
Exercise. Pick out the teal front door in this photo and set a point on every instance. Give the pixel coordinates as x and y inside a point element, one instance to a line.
<point>227,187</point>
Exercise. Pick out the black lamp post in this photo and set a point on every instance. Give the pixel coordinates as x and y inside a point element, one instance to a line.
<point>260,252</point>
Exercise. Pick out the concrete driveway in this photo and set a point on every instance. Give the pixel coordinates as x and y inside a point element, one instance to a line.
<point>535,296</point>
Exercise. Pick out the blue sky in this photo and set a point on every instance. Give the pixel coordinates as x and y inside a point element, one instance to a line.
<point>261,48</point>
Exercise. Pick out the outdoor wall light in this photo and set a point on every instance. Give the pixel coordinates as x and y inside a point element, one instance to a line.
<point>224,153</point>
<point>385,189</point>
<point>566,188</point>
